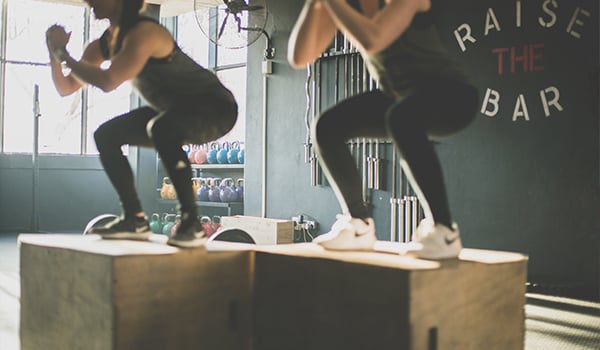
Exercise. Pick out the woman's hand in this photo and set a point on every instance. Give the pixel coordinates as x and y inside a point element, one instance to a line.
<point>313,32</point>
<point>373,32</point>
<point>57,38</point>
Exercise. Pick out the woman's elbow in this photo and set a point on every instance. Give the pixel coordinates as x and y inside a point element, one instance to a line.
<point>64,92</point>
<point>371,47</point>
<point>108,88</point>
<point>294,57</point>
<point>295,62</point>
<point>109,85</point>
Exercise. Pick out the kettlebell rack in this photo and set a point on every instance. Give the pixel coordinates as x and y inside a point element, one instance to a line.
<point>340,73</point>
<point>218,187</point>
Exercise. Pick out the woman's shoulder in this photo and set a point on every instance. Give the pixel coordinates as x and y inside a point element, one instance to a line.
<point>150,27</point>
<point>148,23</point>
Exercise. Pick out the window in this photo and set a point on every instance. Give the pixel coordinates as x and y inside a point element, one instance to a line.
<point>25,66</point>
<point>235,80</point>
<point>66,123</point>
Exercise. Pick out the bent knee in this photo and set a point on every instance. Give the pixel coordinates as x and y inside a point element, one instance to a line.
<point>327,129</point>
<point>102,136</point>
<point>158,129</point>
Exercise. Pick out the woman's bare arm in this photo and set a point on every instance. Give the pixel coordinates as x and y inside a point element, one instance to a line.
<point>313,32</point>
<point>373,34</point>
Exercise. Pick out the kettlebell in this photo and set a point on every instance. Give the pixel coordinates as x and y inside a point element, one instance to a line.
<point>239,189</point>
<point>195,185</point>
<point>187,149</point>
<point>232,154</point>
<point>202,193</point>
<point>167,191</point>
<point>228,193</point>
<point>175,224</point>
<point>241,156</point>
<point>191,153</point>
<point>222,153</point>
<point>211,156</point>
<point>169,222</point>
<point>171,193</point>
<point>200,155</point>
<point>210,226</point>
<point>214,191</point>
<point>155,223</point>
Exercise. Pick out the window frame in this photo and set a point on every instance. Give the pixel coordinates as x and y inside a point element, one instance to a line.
<point>169,22</point>
<point>84,93</point>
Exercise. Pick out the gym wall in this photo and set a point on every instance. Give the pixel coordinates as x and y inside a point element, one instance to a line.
<point>523,177</point>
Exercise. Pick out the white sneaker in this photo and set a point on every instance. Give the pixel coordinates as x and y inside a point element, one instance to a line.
<point>435,241</point>
<point>349,233</point>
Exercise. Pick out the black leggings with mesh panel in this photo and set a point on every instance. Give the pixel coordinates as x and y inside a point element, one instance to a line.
<point>440,109</point>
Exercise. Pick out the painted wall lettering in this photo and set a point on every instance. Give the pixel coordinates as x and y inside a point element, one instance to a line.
<point>527,59</point>
<point>577,21</point>
<point>523,59</point>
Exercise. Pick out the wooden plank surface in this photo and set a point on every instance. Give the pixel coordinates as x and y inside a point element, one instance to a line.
<point>96,245</point>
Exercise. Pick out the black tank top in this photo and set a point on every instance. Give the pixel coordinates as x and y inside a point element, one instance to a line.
<point>172,80</point>
<point>415,59</point>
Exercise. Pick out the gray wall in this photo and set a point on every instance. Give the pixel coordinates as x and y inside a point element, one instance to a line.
<point>72,190</point>
<point>525,186</point>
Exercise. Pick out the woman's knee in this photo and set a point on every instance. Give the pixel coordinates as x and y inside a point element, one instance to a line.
<point>102,136</point>
<point>163,132</point>
<point>326,129</point>
<point>158,128</point>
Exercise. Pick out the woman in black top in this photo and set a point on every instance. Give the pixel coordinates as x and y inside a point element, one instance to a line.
<point>186,104</point>
<point>423,95</point>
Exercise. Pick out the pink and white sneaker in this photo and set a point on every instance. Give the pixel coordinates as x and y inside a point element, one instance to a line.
<point>349,233</point>
<point>435,241</point>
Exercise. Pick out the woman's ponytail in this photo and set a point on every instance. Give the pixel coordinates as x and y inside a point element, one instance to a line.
<point>130,14</point>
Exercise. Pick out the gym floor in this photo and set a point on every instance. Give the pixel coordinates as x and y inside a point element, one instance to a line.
<point>551,322</point>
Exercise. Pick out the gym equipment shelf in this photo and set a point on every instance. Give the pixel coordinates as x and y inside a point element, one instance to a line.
<point>233,208</point>
<point>218,166</point>
<point>233,171</point>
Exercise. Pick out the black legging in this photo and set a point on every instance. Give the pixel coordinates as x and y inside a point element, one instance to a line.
<point>206,120</point>
<point>437,110</point>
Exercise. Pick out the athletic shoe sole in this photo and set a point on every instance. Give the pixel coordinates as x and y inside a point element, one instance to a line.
<point>141,236</point>
<point>416,250</point>
<point>198,242</point>
<point>356,243</point>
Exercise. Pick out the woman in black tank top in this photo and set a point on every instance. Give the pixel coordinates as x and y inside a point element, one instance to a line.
<point>186,104</point>
<point>422,95</point>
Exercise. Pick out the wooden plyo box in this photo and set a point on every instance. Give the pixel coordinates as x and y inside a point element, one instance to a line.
<point>308,298</point>
<point>81,292</point>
